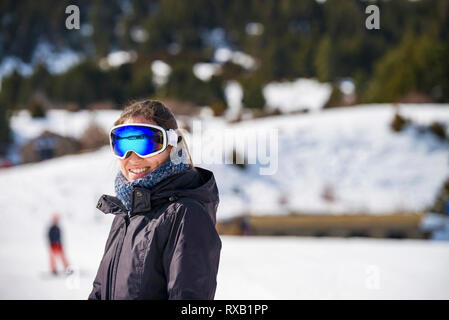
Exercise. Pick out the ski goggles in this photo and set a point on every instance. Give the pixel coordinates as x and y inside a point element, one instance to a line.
<point>145,140</point>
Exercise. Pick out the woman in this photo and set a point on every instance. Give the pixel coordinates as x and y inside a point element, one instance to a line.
<point>163,243</point>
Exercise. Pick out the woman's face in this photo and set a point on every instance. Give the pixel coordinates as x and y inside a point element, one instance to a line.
<point>135,167</point>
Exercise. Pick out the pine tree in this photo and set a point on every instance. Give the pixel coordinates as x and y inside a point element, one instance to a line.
<point>5,135</point>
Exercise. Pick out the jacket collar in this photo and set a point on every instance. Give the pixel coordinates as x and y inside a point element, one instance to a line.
<point>142,200</point>
<point>196,183</point>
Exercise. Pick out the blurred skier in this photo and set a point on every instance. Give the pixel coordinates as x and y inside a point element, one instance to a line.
<point>54,236</point>
<point>245,225</point>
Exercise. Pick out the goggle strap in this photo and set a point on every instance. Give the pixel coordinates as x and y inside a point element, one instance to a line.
<point>172,138</point>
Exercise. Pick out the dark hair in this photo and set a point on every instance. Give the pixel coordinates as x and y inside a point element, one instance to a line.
<point>152,110</point>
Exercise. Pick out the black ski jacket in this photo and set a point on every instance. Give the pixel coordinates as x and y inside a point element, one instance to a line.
<point>166,246</point>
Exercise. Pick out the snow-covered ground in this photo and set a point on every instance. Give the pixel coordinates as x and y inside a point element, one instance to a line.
<point>250,268</point>
<point>353,150</point>
<point>310,268</point>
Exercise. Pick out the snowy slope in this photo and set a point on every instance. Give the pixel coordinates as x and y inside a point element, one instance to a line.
<point>29,195</point>
<point>365,158</point>
<point>351,151</point>
<point>65,123</point>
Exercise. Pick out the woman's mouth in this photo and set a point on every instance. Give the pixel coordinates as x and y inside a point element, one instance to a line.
<point>136,173</point>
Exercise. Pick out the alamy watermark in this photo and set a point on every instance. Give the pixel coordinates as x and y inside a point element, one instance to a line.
<point>372,277</point>
<point>230,146</point>
<point>72,282</point>
<point>244,146</point>
<point>373,20</point>
<point>73,20</point>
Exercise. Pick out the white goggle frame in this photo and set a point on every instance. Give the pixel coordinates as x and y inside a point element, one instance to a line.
<point>169,137</point>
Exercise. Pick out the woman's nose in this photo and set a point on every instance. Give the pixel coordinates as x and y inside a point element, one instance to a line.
<point>132,156</point>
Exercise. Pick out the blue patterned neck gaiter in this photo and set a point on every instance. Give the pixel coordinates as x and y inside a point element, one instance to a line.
<point>124,188</point>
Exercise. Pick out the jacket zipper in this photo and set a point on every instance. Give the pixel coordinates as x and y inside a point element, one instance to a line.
<point>117,255</point>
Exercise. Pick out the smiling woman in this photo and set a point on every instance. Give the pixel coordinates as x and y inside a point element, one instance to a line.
<point>152,113</point>
<point>144,139</point>
<point>163,243</point>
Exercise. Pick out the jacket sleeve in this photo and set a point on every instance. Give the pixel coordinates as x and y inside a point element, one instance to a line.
<point>95,294</point>
<point>192,254</point>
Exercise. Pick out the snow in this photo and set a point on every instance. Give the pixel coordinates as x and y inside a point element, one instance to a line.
<point>139,34</point>
<point>57,61</point>
<point>234,95</point>
<point>215,38</point>
<point>29,196</point>
<point>204,71</point>
<point>325,268</point>
<point>161,72</point>
<point>347,86</point>
<point>352,149</point>
<point>434,221</point>
<point>250,268</point>
<point>244,60</point>
<point>437,223</point>
<point>301,94</point>
<point>443,234</point>
<point>254,28</point>
<point>117,58</point>
<point>9,64</point>
<point>225,54</point>
<point>70,124</point>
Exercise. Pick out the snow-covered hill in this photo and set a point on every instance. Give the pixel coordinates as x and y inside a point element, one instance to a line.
<point>370,168</point>
<point>350,152</point>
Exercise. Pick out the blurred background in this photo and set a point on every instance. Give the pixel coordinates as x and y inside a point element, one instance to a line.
<point>358,206</point>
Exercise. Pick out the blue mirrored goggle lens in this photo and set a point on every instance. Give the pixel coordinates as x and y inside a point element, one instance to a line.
<point>141,140</point>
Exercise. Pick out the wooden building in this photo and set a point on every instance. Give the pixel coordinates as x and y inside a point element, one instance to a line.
<point>401,225</point>
<point>48,145</point>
